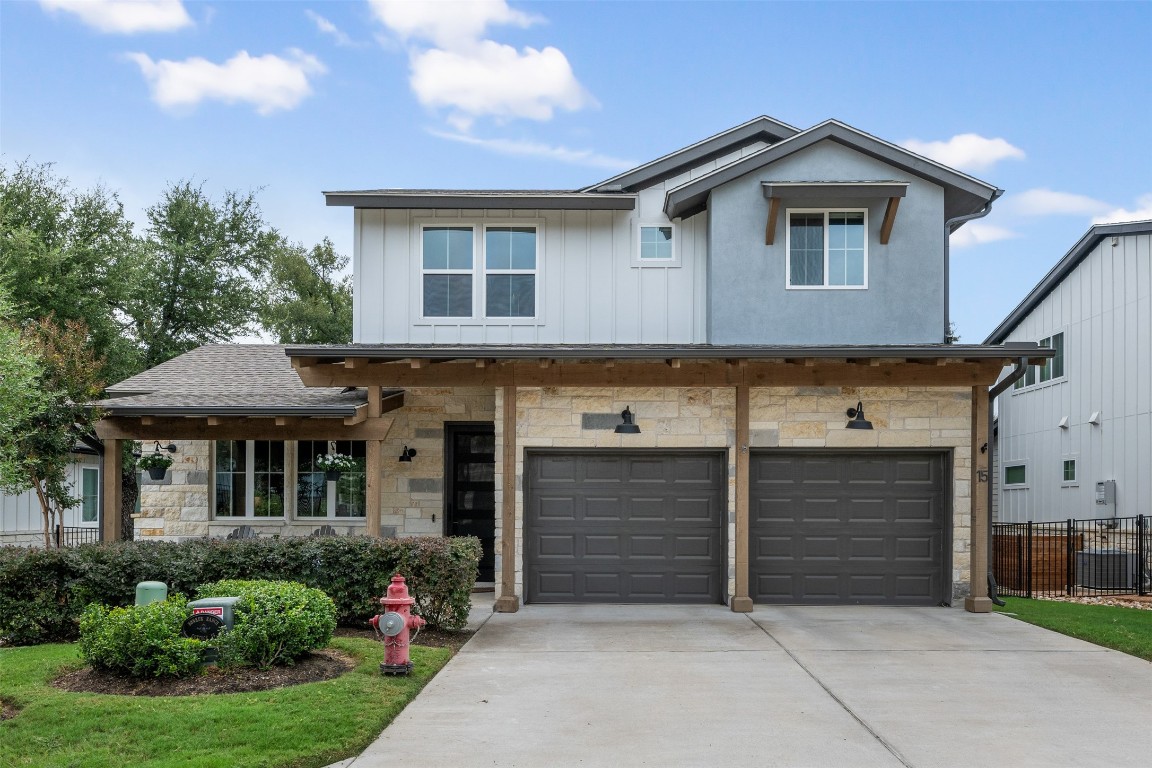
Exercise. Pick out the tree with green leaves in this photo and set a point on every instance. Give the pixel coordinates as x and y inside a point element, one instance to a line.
<point>201,271</point>
<point>20,397</point>
<point>308,300</point>
<point>38,438</point>
<point>65,253</point>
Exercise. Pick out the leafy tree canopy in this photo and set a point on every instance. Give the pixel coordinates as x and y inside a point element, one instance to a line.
<point>308,301</point>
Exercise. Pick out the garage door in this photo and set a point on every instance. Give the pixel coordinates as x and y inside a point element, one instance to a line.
<point>838,528</point>
<point>629,527</point>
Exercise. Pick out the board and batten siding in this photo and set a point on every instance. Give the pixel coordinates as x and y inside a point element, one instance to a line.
<point>1104,309</point>
<point>590,288</point>
<point>21,521</point>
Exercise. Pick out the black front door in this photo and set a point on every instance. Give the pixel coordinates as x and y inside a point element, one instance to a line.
<point>470,488</point>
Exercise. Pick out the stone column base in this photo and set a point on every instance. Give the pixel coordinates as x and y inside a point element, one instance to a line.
<point>506,604</point>
<point>741,605</point>
<point>978,604</point>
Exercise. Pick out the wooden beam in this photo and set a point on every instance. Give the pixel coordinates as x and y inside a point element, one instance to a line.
<point>978,600</point>
<point>770,227</point>
<point>889,220</point>
<point>373,469</point>
<point>176,428</point>
<point>113,467</point>
<point>417,362</point>
<point>281,421</point>
<point>363,409</point>
<point>146,419</point>
<point>509,601</point>
<point>212,421</point>
<point>353,363</point>
<point>673,363</point>
<point>741,602</point>
<point>545,362</point>
<point>390,403</point>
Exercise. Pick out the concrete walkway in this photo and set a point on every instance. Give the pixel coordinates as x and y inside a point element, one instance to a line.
<point>790,686</point>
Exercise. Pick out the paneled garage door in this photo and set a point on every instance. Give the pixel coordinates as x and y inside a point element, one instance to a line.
<point>630,527</point>
<point>848,528</point>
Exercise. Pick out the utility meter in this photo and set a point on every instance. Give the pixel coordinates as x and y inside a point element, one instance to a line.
<point>1106,493</point>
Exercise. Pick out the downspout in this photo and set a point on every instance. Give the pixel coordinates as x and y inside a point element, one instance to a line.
<point>948,230</point>
<point>998,389</point>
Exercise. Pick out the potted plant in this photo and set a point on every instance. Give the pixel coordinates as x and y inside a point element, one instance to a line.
<point>332,464</point>
<point>156,464</point>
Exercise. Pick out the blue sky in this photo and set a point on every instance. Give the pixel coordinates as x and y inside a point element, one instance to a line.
<point>1050,101</point>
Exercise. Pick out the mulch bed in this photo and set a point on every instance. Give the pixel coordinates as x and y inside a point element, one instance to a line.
<point>319,665</point>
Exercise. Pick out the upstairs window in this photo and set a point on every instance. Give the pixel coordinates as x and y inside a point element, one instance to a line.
<point>827,249</point>
<point>656,243</point>
<point>1050,370</point>
<point>1015,475</point>
<point>510,272</point>
<point>447,261</point>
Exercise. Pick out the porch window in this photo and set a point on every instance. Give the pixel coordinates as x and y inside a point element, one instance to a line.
<point>90,494</point>
<point>318,497</point>
<point>249,478</point>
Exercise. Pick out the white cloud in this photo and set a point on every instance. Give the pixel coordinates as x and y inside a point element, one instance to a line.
<point>585,157</point>
<point>449,24</point>
<point>976,233</point>
<point>968,151</point>
<point>328,28</point>
<point>1142,212</point>
<point>498,81</point>
<point>1045,202</point>
<point>125,17</point>
<point>269,83</point>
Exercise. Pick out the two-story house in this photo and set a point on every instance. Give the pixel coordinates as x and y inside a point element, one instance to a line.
<point>718,377</point>
<point>1084,418</point>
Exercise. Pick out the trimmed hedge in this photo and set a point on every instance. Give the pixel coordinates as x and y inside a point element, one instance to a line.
<point>142,641</point>
<point>43,592</point>
<point>275,622</point>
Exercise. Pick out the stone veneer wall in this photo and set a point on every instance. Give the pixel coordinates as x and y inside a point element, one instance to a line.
<point>786,417</point>
<point>411,498</point>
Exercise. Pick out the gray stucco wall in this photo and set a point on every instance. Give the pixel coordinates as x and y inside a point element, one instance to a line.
<point>748,300</point>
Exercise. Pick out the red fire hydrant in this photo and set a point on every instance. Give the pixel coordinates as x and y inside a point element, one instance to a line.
<point>395,624</point>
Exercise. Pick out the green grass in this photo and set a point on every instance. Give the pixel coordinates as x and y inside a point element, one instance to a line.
<point>1122,629</point>
<point>299,727</point>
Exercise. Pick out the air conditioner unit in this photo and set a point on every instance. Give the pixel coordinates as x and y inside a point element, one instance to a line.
<point>1106,569</point>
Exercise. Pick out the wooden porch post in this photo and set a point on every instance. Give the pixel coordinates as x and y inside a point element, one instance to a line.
<point>372,452</point>
<point>741,602</point>
<point>509,601</point>
<point>978,600</point>
<point>110,528</point>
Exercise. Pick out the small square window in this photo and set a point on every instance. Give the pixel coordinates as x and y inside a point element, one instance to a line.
<point>656,243</point>
<point>1069,470</point>
<point>1015,474</point>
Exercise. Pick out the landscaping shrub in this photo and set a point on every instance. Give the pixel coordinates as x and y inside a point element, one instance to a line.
<point>275,622</point>
<point>42,593</point>
<point>143,641</point>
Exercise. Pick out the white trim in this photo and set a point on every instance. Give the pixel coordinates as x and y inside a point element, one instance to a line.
<point>1075,481</point>
<point>788,250</point>
<point>422,271</point>
<point>638,233</point>
<point>485,272</point>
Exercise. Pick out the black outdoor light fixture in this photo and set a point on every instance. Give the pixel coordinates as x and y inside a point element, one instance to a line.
<point>857,416</point>
<point>407,454</point>
<point>627,427</point>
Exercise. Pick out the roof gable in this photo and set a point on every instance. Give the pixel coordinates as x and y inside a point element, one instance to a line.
<point>963,194</point>
<point>1084,246</point>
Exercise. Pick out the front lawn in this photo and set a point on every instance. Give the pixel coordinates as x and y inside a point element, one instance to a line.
<point>1122,629</point>
<point>299,727</point>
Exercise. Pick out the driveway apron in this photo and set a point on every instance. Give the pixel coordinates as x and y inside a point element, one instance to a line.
<point>784,686</point>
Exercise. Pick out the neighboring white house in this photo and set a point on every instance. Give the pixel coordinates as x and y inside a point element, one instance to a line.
<point>1085,417</point>
<point>21,522</point>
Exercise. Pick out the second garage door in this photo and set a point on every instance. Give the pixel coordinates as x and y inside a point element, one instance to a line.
<point>627,527</point>
<point>848,528</point>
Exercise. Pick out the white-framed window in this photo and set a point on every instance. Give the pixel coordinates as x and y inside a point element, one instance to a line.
<point>89,494</point>
<point>319,497</point>
<point>656,245</point>
<point>827,248</point>
<point>510,258</point>
<point>1068,473</point>
<point>447,257</point>
<point>1015,475</point>
<point>486,270</point>
<point>1051,370</point>
<point>249,478</point>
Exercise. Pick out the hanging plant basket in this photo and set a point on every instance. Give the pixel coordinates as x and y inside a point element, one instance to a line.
<point>332,475</point>
<point>157,473</point>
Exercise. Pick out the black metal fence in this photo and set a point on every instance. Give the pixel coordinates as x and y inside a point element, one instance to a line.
<point>1109,556</point>
<point>70,536</point>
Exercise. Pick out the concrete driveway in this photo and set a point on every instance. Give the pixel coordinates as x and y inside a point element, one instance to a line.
<point>783,686</point>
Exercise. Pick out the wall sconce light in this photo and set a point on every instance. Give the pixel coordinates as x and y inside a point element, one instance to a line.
<point>627,427</point>
<point>857,416</point>
<point>407,454</point>
<point>171,447</point>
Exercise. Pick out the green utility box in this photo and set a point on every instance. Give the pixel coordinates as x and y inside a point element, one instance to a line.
<point>221,607</point>
<point>151,592</point>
